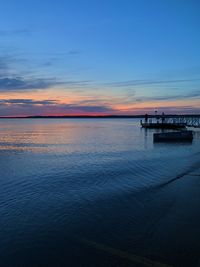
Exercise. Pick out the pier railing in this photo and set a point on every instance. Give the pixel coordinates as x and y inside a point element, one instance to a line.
<point>188,120</point>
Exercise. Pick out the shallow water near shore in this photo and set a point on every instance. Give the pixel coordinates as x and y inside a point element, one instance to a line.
<point>96,192</point>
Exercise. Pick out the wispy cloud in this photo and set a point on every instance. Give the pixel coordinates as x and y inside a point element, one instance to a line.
<point>148,82</point>
<point>28,102</point>
<point>193,94</point>
<point>14,32</point>
<point>74,52</point>
<point>7,61</point>
<point>53,53</point>
<point>13,78</point>
<point>183,109</point>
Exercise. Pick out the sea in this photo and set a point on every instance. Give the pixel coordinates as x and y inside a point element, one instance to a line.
<point>96,193</point>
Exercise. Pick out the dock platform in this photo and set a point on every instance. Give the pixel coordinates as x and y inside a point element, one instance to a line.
<point>160,125</point>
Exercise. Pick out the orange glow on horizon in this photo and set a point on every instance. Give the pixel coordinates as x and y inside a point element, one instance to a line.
<point>116,105</point>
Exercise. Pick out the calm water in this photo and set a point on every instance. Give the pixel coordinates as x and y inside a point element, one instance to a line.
<point>96,192</point>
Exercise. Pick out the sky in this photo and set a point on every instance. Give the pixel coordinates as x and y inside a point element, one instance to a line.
<point>92,57</point>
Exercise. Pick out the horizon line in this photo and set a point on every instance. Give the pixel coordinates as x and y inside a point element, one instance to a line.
<point>96,116</point>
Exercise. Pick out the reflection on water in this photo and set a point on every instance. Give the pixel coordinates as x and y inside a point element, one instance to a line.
<point>96,192</point>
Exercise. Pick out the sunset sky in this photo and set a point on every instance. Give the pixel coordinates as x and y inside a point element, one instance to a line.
<point>94,57</point>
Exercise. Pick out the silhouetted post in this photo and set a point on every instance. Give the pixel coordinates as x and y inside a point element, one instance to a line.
<point>146,118</point>
<point>163,117</point>
<point>156,112</point>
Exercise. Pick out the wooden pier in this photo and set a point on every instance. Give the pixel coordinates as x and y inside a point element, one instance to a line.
<point>187,120</point>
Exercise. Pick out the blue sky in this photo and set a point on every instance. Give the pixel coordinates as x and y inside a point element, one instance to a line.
<point>118,57</point>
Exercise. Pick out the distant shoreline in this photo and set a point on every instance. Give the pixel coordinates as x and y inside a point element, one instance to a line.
<point>76,117</point>
<point>100,116</point>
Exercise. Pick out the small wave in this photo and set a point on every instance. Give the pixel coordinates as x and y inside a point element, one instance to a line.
<point>189,171</point>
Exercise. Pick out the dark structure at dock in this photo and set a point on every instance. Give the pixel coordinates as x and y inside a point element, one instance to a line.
<point>180,136</point>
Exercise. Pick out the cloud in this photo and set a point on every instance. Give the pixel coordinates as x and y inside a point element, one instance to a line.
<point>74,52</point>
<point>28,102</point>
<point>148,82</point>
<point>89,109</point>
<point>31,107</point>
<point>25,80</point>
<point>10,81</point>
<point>184,109</point>
<point>55,54</point>
<point>5,63</point>
<point>6,33</point>
<point>194,94</point>
<point>17,73</point>
<point>20,83</point>
<point>16,107</point>
<point>97,101</point>
<point>47,64</point>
